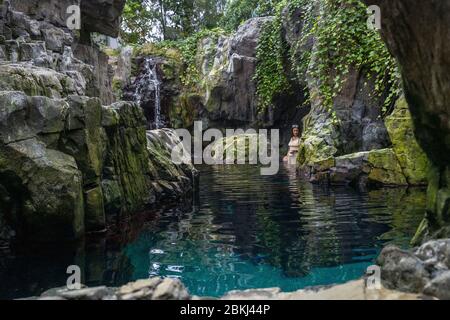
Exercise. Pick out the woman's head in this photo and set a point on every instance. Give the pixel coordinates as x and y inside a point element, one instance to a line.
<point>295,131</point>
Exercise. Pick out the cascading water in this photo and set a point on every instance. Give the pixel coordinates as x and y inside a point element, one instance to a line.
<point>148,86</point>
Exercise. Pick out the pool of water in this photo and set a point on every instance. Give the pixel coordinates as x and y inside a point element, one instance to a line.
<point>244,231</point>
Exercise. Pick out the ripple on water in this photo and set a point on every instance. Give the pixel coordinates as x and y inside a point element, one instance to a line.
<point>251,231</point>
<point>248,231</point>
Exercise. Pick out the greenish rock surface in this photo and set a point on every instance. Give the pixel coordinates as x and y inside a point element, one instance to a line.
<point>43,191</point>
<point>367,168</point>
<point>410,155</point>
<point>35,81</point>
<point>403,164</point>
<point>70,161</point>
<point>425,81</point>
<point>386,168</point>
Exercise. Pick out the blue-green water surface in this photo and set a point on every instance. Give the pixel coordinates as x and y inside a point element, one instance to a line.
<point>245,231</point>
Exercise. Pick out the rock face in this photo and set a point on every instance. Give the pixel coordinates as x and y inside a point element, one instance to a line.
<point>426,270</point>
<point>426,79</point>
<point>68,162</point>
<point>227,67</point>
<point>358,126</point>
<point>411,157</point>
<point>101,16</point>
<point>225,95</point>
<point>403,164</point>
<point>35,32</point>
<point>353,121</point>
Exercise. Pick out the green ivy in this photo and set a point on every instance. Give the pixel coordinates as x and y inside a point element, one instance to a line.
<point>185,51</point>
<point>270,75</point>
<point>342,41</point>
<point>189,48</point>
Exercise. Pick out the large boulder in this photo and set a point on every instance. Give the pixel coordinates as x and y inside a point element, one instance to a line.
<point>44,191</point>
<point>424,270</point>
<point>42,187</point>
<point>227,69</point>
<point>362,169</point>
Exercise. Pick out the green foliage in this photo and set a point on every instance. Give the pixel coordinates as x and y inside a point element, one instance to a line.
<point>189,49</point>
<point>150,20</point>
<point>136,22</point>
<point>183,51</point>
<point>238,11</point>
<point>343,41</point>
<point>270,75</point>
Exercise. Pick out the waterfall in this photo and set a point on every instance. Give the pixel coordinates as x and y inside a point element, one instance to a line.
<point>146,84</point>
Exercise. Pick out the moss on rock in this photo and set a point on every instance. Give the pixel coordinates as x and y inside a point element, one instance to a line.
<point>385,168</point>
<point>411,157</point>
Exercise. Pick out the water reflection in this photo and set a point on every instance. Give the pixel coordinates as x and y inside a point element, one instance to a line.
<point>246,231</point>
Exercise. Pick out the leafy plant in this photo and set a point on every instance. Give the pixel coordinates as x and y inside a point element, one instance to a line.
<point>343,41</point>
<point>270,75</point>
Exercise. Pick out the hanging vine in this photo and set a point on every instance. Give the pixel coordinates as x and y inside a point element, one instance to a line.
<point>342,41</point>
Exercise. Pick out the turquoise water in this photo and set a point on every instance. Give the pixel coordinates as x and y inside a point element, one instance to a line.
<point>244,231</point>
<point>250,231</point>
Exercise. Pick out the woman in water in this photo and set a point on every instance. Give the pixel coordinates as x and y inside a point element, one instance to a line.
<point>294,145</point>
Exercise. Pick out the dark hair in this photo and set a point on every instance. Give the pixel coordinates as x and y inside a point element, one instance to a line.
<point>293,128</point>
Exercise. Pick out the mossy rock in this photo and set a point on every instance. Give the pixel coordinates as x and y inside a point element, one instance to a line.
<point>386,169</point>
<point>184,111</point>
<point>411,157</point>
<point>45,187</point>
<point>94,209</point>
<point>35,81</point>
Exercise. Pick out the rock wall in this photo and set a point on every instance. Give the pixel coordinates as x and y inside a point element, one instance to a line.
<point>353,122</point>
<point>417,33</point>
<point>405,163</point>
<point>70,162</point>
<point>349,142</point>
<point>36,33</point>
<point>102,16</point>
<point>225,95</point>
